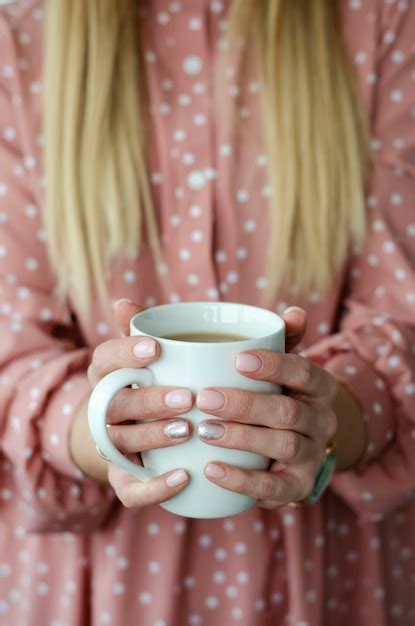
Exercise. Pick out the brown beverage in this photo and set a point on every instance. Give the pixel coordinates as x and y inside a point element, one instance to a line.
<point>207,337</point>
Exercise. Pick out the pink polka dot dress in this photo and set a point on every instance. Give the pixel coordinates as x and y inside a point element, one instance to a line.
<point>70,554</point>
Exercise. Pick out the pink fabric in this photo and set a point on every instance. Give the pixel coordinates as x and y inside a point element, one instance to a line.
<point>71,555</point>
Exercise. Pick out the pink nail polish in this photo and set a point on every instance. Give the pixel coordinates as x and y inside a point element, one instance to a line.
<point>215,471</point>
<point>145,348</point>
<point>248,362</point>
<point>176,478</point>
<point>211,400</point>
<point>178,399</point>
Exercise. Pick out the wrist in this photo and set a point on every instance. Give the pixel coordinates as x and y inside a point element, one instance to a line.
<point>351,431</point>
<point>82,446</point>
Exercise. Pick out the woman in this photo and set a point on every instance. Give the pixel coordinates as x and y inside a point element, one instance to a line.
<point>154,152</point>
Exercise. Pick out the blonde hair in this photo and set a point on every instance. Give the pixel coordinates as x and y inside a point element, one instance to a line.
<point>98,194</point>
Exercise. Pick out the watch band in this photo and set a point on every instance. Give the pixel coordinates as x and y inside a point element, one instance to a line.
<point>323,477</point>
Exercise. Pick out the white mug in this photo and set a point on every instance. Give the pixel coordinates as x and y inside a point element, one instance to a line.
<point>193,365</point>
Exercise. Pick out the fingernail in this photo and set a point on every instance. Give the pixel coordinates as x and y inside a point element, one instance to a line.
<point>122,300</point>
<point>210,430</point>
<point>176,478</point>
<point>211,400</point>
<point>176,429</point>
<point>145,348</point>
<point>215,471</point>
<point>178,398</point>
<point>248,362</point>
<point>294,308</point>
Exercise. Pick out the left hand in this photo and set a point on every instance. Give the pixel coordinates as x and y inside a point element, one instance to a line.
<point>291,429</point>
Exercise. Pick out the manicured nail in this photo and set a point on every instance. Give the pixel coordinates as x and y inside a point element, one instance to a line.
<point>145,348</point>
<point>176,478</point>
<point>176,429</point>
<point>215,471</point>
<point>178,399</point>
<point>210,430</point>
<point>122,300</point>
<point>248,362</point>
<point>211,400</point>
<point>294,308</point>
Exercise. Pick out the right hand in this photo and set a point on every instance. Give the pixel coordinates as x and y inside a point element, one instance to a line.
<point>164,404</point>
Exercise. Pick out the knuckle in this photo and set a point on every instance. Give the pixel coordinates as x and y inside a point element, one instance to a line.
<point>277,365</point>
<point>128,495</point>
<point>243,404</point>
<point>290,445</point>
<point>291,412</point>
<point>243,436</point>
<point>268,487</point>
<point>305,371</point>
<point>117,436</point>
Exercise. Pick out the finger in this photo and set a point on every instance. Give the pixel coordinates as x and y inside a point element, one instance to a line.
<point>281,488</point>
<point>284,445</point>
<point>118,353</point>
<point>124,310</point>
<point>262,409</point>
<point>148,402</point>
<point>133,438</point>
<point>289,370</point>
<point>295,320</point>
<point>135,493</point>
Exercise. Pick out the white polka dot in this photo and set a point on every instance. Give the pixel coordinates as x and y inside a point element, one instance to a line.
<point>195,23</point>
<point>396,198</point>
<point>154,567</point>
<point>237,612</point>
<point>35,87</point>
<point>3,189</point>
<point>205,541</point>
<point>232,277</point>
<point>180,527</point>
<point>188,158</point>
<point>189,582</point>
<point>175,220</point>
<point>225,149</point>
<point>242,577</point>
<point>153,528</point>
<point>196,235</point>
<point>105,617</point>
<point>199,119</point>
<point>196,180</point>
<point>261,282</point>
<point>54,440</point>
<point>396,95</point>
<point>250,226</point>
<point>31,264</point>
<point>145,597</point>
<point>241,254</point>
<point>195,620</point>
<point>220,554</point>
<point>184,254</point>
<point>195,211</point>
<point>9,133</point>
<point>360,57</point>
<point>163,18</point>
<point>277,597</point>
<point>193,280</point>
<point>400,274</point>
<point>216,6</point>
<point>242,196</point>
<point>261,160</point>
<point>240,547</point>
<point>212,293</point>
<point>221,256</point>
<point>42,589</point>
<point>288,519</point>
<point>389,37</point>
<point>192,65</point>
<point>219,577</point>
<point>110,550</point>
<point>212,602</point>
<point>129,276</point>
<point>102,328</point>
<point>122,562</point>
<point>5,569</point>
<point>184,99</point>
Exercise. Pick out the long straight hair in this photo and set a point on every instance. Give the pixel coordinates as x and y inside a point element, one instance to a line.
<point>99,202</point>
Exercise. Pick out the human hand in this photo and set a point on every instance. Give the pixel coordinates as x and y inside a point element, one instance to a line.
<point>162,404</point>
<point>291,429</point>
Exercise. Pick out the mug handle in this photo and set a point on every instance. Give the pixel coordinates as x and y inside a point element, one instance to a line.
<point>98,405</point>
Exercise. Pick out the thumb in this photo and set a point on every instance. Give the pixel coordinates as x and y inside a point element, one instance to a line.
<point>124,310</point>
<point>295,320</point>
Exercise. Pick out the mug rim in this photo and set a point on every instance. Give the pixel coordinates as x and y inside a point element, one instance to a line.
<point>270,314</point>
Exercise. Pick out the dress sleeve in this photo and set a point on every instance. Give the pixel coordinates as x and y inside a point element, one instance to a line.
<point>374,351</point>
<point>43,358</point>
